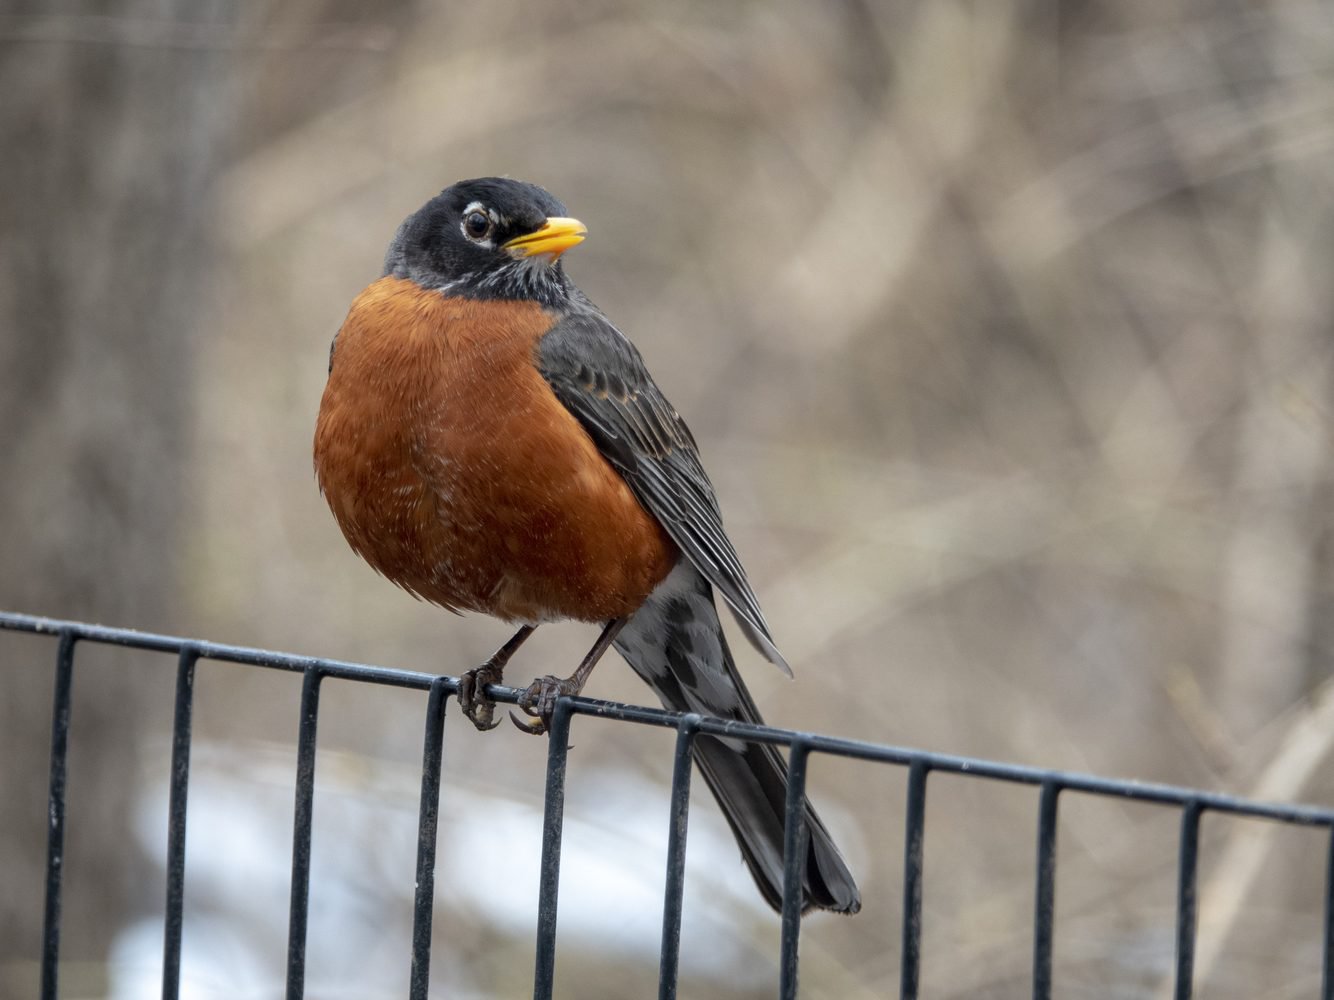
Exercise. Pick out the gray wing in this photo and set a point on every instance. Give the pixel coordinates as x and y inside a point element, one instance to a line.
<point>600,378</point>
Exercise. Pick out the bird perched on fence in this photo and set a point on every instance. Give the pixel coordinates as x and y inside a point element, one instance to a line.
<point>490,442</point>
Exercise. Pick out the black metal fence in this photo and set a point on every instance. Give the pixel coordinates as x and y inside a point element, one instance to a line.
<point>1192,805</point>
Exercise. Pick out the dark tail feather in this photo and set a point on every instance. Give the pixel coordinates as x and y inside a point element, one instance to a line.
<point>676,644</point>
<point>751,787</point>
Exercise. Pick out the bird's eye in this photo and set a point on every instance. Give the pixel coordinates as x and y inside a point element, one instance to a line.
<point>476,225</point>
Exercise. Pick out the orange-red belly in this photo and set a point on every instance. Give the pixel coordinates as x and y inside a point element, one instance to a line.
<point>453,470</point>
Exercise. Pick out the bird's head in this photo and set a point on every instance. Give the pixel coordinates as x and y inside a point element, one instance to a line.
<point>488,238</point>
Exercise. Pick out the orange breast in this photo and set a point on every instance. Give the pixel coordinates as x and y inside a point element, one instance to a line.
<point>452,468</point>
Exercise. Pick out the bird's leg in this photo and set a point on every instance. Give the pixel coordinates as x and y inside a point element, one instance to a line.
<point>473,699</point>
<point>539,698</point>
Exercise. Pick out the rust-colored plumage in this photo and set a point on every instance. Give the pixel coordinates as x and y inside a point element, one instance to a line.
<point>452,468</point>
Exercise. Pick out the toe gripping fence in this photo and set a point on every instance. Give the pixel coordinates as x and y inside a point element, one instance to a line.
<point>1191,804</point>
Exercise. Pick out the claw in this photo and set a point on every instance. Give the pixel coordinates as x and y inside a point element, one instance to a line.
<point>539,701</point>
<point>487,722</point>
<point>535,728</point>
<point>477,706</point>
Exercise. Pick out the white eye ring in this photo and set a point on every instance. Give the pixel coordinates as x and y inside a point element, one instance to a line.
<point>477,224</point>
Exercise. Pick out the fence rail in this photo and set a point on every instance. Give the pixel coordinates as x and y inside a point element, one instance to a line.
<point>1192,804</point>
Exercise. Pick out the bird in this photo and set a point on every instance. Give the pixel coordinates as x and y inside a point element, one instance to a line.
<point>490,442</point>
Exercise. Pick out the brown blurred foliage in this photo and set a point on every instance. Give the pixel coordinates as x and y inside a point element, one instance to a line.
<point>1004,326</point>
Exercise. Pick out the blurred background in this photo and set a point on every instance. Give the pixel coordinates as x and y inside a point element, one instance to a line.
<point>1005,329</point>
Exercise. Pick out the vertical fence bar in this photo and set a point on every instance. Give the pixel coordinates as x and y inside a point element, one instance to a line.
<point>669,957</point>
<point>181,725</point>
<point>1045,897</point>
<point>55,814</point>
<point>914,826</point>
<point>794,866</point>
<point>1187,865</point>
<point>553,817</point>
<point>301,823</point>
<point>1327,943</point>
<point>428,816</point>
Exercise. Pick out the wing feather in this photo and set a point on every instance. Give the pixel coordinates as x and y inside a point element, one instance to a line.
<point>600,378</point>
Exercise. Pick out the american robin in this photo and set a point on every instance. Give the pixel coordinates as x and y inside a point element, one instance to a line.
<point>489,442</point>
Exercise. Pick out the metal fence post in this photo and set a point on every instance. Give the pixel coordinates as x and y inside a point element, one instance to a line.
<point>181,724</point>
<point>553,820</point>
<point>302,818</point>
<point>55,834</point>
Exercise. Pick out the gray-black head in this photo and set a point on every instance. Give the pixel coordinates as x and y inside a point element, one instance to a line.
<point>487,238</point>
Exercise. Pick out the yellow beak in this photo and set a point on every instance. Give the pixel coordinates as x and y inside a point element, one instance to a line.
<point>555,237</point>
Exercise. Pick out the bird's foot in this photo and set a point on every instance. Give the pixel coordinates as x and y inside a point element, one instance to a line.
<point>539,701</point>
<point>477,705</point>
